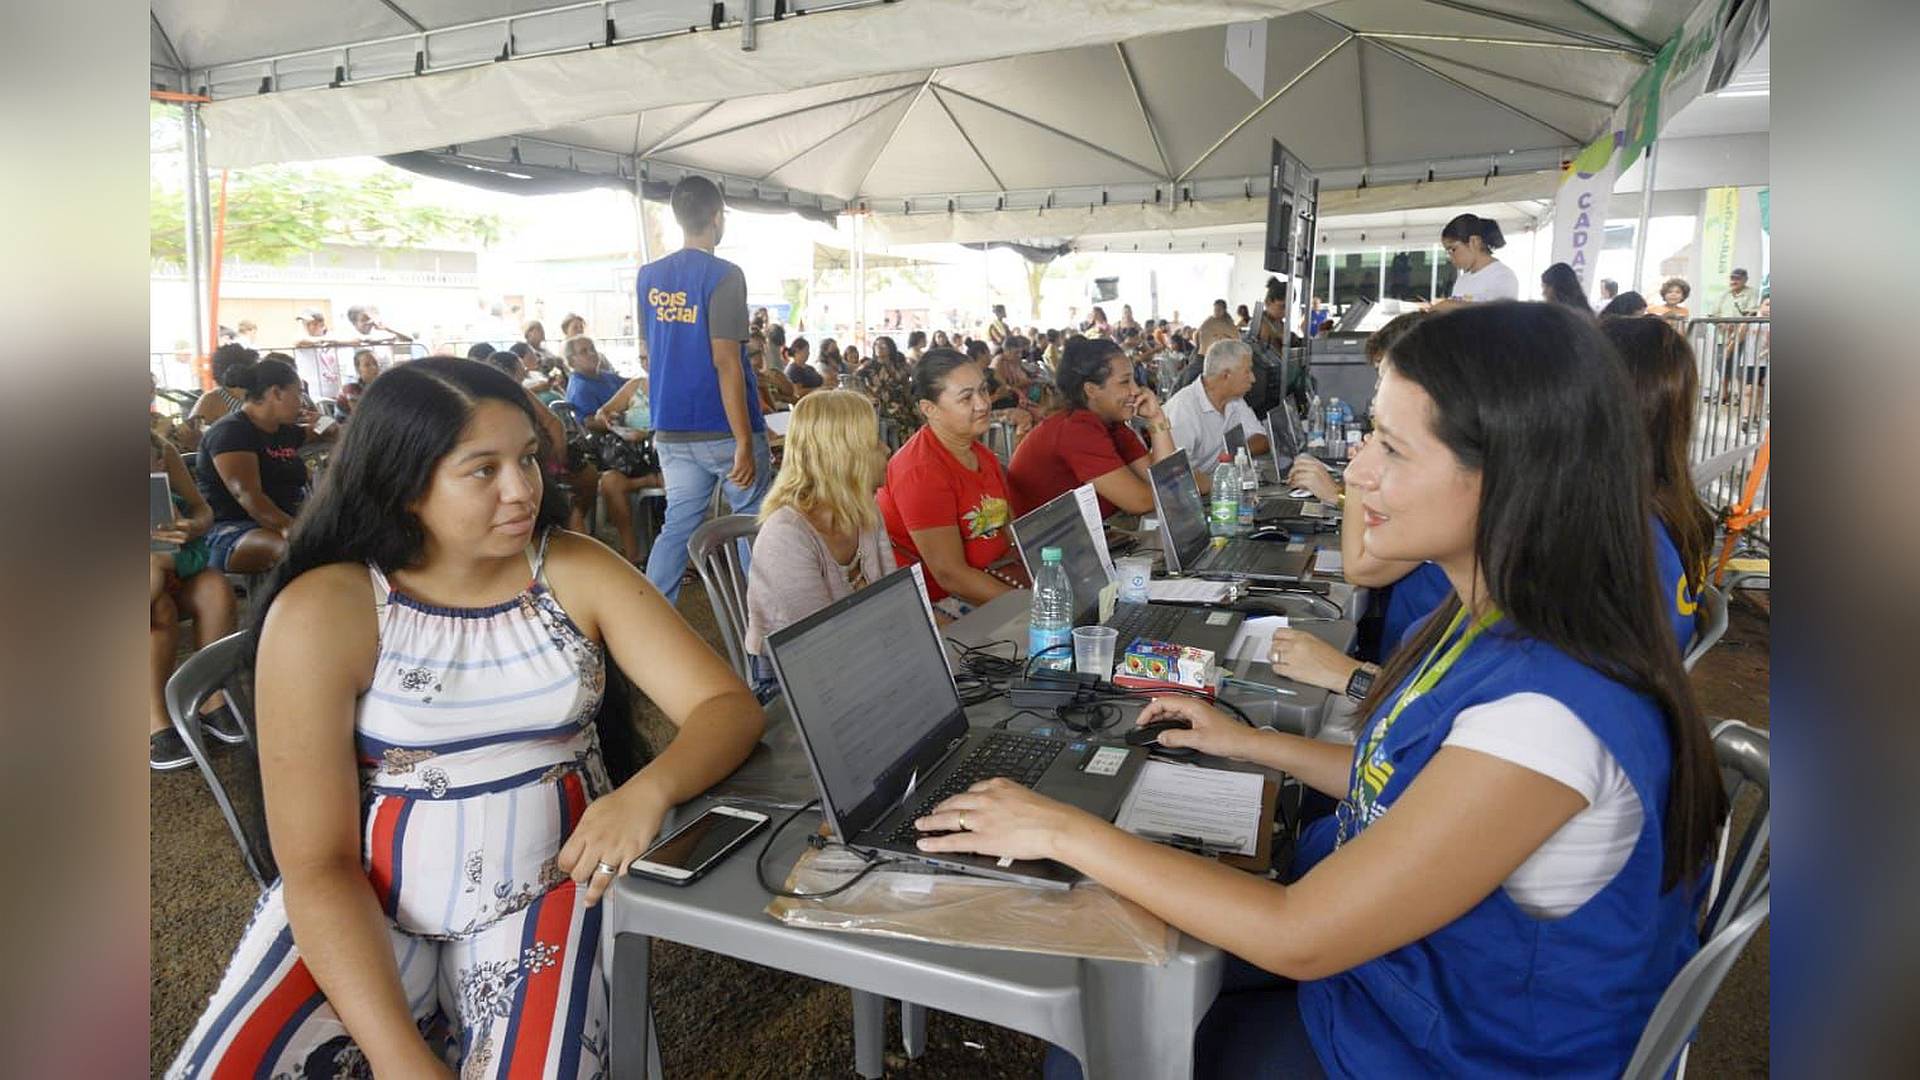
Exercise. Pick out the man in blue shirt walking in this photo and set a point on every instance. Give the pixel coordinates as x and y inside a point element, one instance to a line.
<point>706,406</point>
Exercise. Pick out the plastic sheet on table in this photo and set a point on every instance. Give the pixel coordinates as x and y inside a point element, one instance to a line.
<point>918,904</point>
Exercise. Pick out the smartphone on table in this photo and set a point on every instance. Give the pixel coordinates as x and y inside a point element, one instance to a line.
<point>694,848</point>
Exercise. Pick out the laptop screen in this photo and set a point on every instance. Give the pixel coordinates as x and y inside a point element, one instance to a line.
<point>866,680</point>
<point>1177,498</point>
<point>1236,440</point>
<point>1060,524</point>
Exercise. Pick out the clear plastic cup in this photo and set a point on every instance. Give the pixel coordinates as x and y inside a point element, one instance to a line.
<point>1134,571</point>
<point>1093,650</point>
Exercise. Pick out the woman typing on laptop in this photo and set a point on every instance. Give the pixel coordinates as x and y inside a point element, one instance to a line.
<point>1508,879</point>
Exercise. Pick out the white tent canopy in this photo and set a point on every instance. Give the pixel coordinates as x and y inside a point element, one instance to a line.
<point>1126,119</point>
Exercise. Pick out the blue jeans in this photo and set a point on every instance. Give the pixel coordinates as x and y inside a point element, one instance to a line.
<point>691,469</point>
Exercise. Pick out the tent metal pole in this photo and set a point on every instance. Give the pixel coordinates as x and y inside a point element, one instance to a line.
<point>1646,211</point>
<point>677,129</point>
<point>971,145</point>
<point>1515,79</point>
<point>1571,138</point>
<point>1477,39</point>
<point>640,217</point>
<point>779,116</point>
<point>839,131</point>
<point>860,280</point>
<point>1263,106</point>
<point>1638,48</point>
<point>191,220</point>
<point>1126,67</point>
<point>887,143</point>
<point>1049,128</point>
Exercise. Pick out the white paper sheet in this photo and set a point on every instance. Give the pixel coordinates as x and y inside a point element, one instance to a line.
<point>778,422</point>
<point>1089,502</point>
<point>1254,640</point>
<point>1218,807</point>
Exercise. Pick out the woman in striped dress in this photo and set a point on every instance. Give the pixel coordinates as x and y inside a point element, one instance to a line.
<point>429,680</point>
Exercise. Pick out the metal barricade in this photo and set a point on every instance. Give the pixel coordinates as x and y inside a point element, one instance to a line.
<point>1734,358</point>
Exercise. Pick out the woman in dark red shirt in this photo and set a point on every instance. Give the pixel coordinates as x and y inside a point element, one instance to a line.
<point>1090,442</point>
<point>945,500</point>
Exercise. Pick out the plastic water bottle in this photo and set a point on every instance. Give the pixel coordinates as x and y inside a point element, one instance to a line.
<point>1249,486</point>
<point>1334,430</point>
<point>1316,426</point>
<point>1050,620</point>
<point>1223,518</point>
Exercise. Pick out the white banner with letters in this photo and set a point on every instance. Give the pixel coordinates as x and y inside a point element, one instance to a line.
<point>1580,209</point>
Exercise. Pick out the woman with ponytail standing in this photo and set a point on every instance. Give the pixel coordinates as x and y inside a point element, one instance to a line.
<point>1470,241</point>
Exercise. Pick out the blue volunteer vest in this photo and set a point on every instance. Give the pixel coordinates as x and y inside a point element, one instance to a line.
<point>1497,991</point>
<point>1678,599</point>
<point>1411,599</point>
<point>674,293</point>
<point>1426,587</point>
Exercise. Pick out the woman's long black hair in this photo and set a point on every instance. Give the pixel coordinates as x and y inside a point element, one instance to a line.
<point>1562,286</point>
<point>408,420</point>
<point>1666,383</point>
<point>1534,399</point>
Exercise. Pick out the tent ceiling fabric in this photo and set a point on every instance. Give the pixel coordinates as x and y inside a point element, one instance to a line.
<point>1129,103</point>
<point>1050,227</point>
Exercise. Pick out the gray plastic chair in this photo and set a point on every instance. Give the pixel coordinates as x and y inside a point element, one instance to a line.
<point>1000,440</point>
<point>223,666</point>
<point>1712,625</point>
<point>718,551</point>
<point>1741,892</point>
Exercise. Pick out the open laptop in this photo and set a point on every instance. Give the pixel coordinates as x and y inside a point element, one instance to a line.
<point>1188,548</point>
<point>867,682</point>
<point>1280,508</point>
<point>1061,524</point>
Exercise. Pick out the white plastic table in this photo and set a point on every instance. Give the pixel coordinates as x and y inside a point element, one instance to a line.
<point>1119,1019</point>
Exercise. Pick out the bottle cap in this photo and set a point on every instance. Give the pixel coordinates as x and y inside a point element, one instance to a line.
<point>1049,554</point>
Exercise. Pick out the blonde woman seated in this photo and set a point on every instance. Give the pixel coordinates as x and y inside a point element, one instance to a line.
<point>820,533</point>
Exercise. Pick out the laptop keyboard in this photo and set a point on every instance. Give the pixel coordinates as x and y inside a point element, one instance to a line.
<point>1242,557</point>
<point>1155,622</point>
<point>1022,759</point>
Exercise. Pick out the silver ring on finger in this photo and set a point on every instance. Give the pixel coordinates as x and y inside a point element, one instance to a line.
<point>606,868</point>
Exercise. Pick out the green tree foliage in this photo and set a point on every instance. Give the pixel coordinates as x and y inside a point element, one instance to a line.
<point>277,213</point>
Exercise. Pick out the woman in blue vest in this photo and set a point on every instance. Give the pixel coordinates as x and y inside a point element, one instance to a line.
<point>1509,882</point>
<point>1660,364</point>
<point>1666,381</point>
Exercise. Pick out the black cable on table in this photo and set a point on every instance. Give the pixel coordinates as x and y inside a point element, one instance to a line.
<point>874,862</point>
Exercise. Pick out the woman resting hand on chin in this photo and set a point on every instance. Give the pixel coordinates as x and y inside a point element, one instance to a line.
<point>436,673</point>
<point>1532,795</point>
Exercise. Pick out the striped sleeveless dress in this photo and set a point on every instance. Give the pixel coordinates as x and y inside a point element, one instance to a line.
<point>478,755</point>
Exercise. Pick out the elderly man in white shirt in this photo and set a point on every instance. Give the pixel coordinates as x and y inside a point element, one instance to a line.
<point>1203,410</point>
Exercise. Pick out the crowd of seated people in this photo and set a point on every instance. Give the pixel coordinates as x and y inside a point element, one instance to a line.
<point>1453,509</point>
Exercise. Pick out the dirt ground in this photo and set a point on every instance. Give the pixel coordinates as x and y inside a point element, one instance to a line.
<point>724,1017</point>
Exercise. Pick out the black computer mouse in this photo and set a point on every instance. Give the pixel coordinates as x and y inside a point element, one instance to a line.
<point>1148,736</point>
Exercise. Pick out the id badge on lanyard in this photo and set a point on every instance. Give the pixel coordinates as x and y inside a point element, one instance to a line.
<point>1370,777</point>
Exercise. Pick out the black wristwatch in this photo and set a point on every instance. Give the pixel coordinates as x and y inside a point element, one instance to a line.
<point>1360,682</point>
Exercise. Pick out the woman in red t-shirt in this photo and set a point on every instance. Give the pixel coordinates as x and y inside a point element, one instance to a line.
<point>945,500</point>
<point>1090,441</point>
